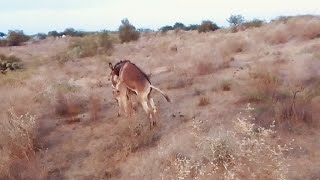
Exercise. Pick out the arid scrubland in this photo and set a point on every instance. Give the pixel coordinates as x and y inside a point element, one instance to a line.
<point>245,105</point>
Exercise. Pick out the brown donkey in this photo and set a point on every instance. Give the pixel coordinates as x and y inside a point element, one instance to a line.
<point>130,77</point>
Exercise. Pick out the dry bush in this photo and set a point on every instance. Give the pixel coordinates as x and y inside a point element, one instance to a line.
<point>204,101</point>
<point>180,83</point>
<point>105,43</point>
<point>205,68</point>
<point>68,107</point>
<point>83,47</point>
<point>225,85</point>
<point>17,151</point>
<point>245,152</point>
<point>293,28</point>
<point>263,87</point>
<point>94,107</point>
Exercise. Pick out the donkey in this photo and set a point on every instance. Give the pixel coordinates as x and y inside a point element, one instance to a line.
<point>131,77</point>
<point>114,75</point>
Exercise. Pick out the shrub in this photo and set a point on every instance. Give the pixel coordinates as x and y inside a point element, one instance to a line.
<point>9,62</point>
<point>83,47</point>
<point>253,24</point>
<point>15,38</point>
<point>225,85</point>
<point>127,32</point>
<point>41,36</point>
<point>73,32</point>
<point>53,34</point>
<point>192,27</point>
<point>2,34</point>
<point>179,25</point>
<point>205,68</point>
<point>203,101</point>
<point>207,26</point>
<point>166,28</point>
<point>3,42</point>
<point>235,20</point>
<point>105,42</point>
<point>17,134</point>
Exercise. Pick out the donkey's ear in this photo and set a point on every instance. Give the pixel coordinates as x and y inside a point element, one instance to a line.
<point>110,65</point>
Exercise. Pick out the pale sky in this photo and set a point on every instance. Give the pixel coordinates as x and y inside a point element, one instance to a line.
<point>33,16</point>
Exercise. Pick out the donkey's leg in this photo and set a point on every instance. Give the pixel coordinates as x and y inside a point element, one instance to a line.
<point>144,103</point>
<point>123,97</point>
<point>154,110</point>
<point>118,100</point>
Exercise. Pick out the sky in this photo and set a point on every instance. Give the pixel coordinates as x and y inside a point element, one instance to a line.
<point>34,16</point>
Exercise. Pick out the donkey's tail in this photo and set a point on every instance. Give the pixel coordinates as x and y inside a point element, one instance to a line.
<point>163,93</point>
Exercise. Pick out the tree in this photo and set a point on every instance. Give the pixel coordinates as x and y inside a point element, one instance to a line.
<point>179,25</point>
<point>53,33</point>
<point>16,37</point>
<point>127,32</point>
<point>166,28</point>
<point>207,26</point>
<point>2,34</point>
<point>235,20</point>
<point>192,27</point>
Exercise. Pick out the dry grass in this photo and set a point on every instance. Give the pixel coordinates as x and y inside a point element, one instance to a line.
<point>246,151</point>
<point>264,85</point>
<point>181,83</point>
<point>203,101</point>
<point>205,68</point>
<point>304,28</point>
<point>17,150</point>
<point>94,107</point>
<point>190,141</point>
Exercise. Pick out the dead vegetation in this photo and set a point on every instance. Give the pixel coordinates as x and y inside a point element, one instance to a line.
<point>76,133</point>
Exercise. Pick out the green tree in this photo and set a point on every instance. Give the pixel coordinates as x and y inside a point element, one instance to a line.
<point>127,32</point>
<point>235,20</point>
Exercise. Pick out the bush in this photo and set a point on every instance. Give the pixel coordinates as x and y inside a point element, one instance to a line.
<point>83,47</point>
<point>203,101</point>
<point>15,38</point>
<point>53,34</point>
<point>105,42</point>
<point>192,27</point>
<point>73,32</point>
<point>179,25</point>
<point>127,32</point>
<point>253,24</point>
<point>2,34</point>
<point>207,26</point>
<point>41,36</point>
<point>166,28</point>
<point>9,62</point>
<point>235,20</point>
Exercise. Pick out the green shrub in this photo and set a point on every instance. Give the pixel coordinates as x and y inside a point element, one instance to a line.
<point>207,26</point>
<point>15,38</point>
<point>166,28</point>
<point>53,34</point>
<point>127,32</point>
<point>235,20</point>
<point>73,32</point>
